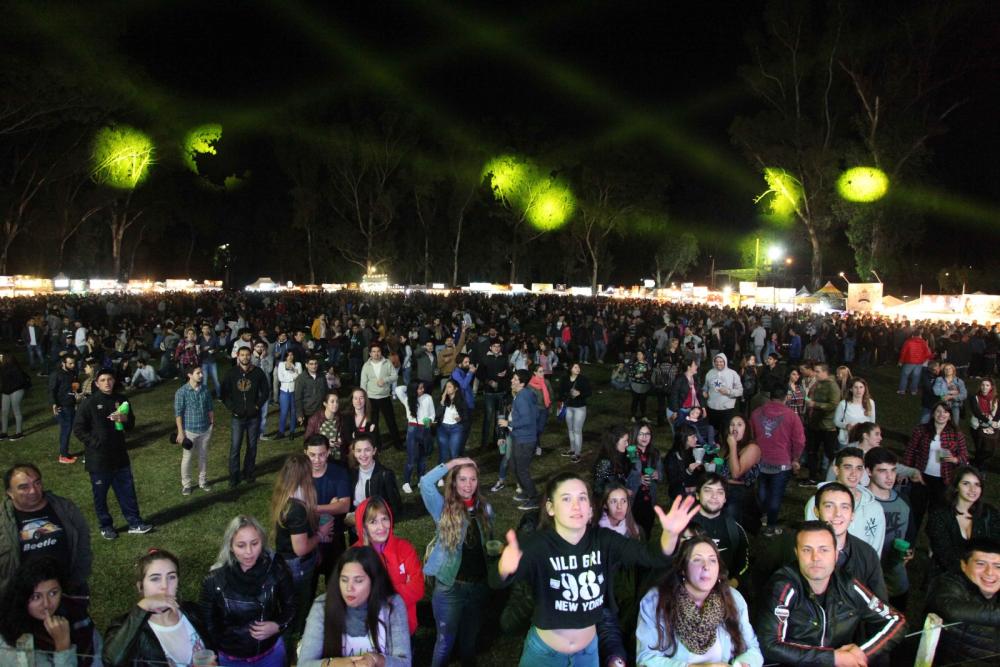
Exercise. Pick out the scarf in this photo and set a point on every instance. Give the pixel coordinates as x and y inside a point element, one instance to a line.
<point>697,628</point>
<point>539,383</point>
<point>986,403</point>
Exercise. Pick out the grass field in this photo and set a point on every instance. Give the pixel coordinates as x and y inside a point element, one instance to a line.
<point>192,526</point>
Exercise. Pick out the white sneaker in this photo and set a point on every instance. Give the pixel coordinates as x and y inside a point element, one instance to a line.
<point>407,488</point>
<point>518,491</point>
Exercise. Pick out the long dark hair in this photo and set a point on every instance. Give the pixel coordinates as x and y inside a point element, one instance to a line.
<point>951,493</point>
<point>335,620</point>
<point>15,621</point>
<point>652,452</point>
<point>669,589</point>
<point>610,451</point>
<point>458,398</point>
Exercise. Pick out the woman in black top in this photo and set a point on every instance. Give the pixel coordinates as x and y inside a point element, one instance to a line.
<point>160,627</point>
<point>247,599</point>
<point>14,382</point>
<point>296,535</point>
<point>573,393</point>
<point>963,517</point>
<point>613,464</point>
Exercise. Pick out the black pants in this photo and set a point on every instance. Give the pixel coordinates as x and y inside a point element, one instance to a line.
<point>818,444</point>
<point>639,404</point>
<point>383,406</point>
<point>521,457</point>
<point>924,498</point>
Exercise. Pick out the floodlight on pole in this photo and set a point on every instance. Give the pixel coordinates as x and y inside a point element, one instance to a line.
<point>774,253</point>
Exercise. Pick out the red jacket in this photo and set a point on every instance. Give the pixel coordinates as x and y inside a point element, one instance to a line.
<point>402,563</point>
<point>914,351</point>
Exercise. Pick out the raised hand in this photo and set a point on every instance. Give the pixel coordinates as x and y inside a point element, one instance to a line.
<point>510,558</point>
<point>58,629</point>
<point>681,512</point>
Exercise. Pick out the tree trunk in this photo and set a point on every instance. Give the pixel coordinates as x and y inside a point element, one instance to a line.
<point>457,246</point>
<point>593,278</point>
<point>817,257</point>
<point>513,263</point>
<point>427,257</point>
<point>138,242</point>
<point>3,256</point>
<point>309,252</point>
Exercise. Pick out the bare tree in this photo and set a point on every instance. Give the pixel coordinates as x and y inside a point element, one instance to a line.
<point>603,208</point>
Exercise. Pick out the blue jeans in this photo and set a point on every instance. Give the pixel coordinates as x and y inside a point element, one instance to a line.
<point>458,617</point>
<point>35,357</point>
<point>249,426</point>
<point>537,653</point>
<point>770,493</point>
<point>909,377</point>
<point>263,416</point>
<point>491,404</point>
<point>286,410</point>
<point>272,658</point>
<point>65,419</point>
<point>600,349</point>
<point>211,370</point>
<point>584,353</point>
<point>124,486</point>
<point>450,440</point>
<point>417,438</point>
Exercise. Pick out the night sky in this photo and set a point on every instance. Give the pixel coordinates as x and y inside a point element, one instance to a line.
<point>562,76</point>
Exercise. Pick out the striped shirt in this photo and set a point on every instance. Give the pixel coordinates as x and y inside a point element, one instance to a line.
<point>193,407</point>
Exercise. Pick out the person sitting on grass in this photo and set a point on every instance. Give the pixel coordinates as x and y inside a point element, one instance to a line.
<point>360,621</point>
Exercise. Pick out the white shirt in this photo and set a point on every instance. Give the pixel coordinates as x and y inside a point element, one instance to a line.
<point>178,641</point>
<point>933,467</point>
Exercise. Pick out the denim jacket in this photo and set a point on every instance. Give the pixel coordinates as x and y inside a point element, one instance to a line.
<point>444,563</point>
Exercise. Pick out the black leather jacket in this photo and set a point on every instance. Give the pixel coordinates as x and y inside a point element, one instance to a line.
<point>795,629</point>
<point>228,609</point>
<point>130,642</point>
<point>954,598</point>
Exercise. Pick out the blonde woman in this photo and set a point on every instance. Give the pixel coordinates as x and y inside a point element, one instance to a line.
<point>951,389</point>
<point>457,602</point>
<point>297,534</point>
<point>856,408</point>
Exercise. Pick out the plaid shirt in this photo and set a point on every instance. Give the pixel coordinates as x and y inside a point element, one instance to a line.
<point>193,406</point>
<point>918,449</point>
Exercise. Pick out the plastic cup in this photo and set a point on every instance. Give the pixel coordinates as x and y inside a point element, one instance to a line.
<point>709,467</point>
<point>900,545</point>
<point>494,547</point>
<point>203,658</point>
<point>699,454</point>
<point>942,453</point>
<point>648,471</point>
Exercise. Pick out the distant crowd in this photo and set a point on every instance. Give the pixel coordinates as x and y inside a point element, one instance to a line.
<point>632,554</point>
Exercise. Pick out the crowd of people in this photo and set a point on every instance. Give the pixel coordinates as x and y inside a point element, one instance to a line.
<point>598,572</point>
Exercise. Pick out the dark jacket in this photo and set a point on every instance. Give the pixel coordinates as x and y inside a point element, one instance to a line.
<point>243,392</point>
<point>795,629</point>
<point>77,534</point>
<point>12,379</point>
<point>130,642</point>
<point>228,609</point>
<point>104,444</point>
<point>382,483</point>
<point>927,396</point>
<point>61,388</point>
<point>489,370</point>
<point>945,537</point>
<point>309,393</point>
<point>957,600</point>
<point>581,384</point>
<point>679,391</point>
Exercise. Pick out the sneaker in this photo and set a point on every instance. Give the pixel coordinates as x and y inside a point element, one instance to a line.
<point>67,459</point>
<point>186,491</point>
<point>109,533</point>
<point>205,487</point>
<point>566,452</point>
<point>528,506</point>
<point>901,393</point>
<point>16,436</point>
<point>265,437</point>
<point>575,458</point>
<point>518,498</point>
<point>141,529</point>
<point>807,483</point>
<point>518,491</point>
<point>499,486</point>
<point>441,483</point>
<point>538,451</point>
<point>407,488</point>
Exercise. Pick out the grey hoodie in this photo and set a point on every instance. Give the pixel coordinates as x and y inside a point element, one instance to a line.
<point>726,378</point>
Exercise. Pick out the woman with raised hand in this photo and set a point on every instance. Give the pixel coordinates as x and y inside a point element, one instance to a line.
<point>464,524</point>
<point>159,628</point>
<point>247,599</point>
<point>694,617</point>
<point>360,621</point>
<point>42,627</point>
<point>376,530</point>
<point>567,562</point>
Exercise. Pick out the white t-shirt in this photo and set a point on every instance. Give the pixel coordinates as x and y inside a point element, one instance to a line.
<point>450,415</point>
<point>359,488</point>
<point>933,467</point>
<point>179,642</point>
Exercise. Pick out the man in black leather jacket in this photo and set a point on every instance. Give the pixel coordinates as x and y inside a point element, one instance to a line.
<point>812,615</point>
<point>970,599</point>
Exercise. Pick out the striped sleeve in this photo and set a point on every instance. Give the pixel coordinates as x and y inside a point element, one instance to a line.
<point>879,614</point>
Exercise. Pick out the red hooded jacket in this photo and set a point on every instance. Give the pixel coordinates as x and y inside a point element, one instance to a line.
<point>402,563</point>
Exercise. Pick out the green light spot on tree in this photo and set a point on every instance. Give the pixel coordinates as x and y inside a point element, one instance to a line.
<point>121,157</point>
<point>785,191</point>
<point>509,177</point>
<point>863,184</point>
<point>200,141</point>
<point>552,208</point>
